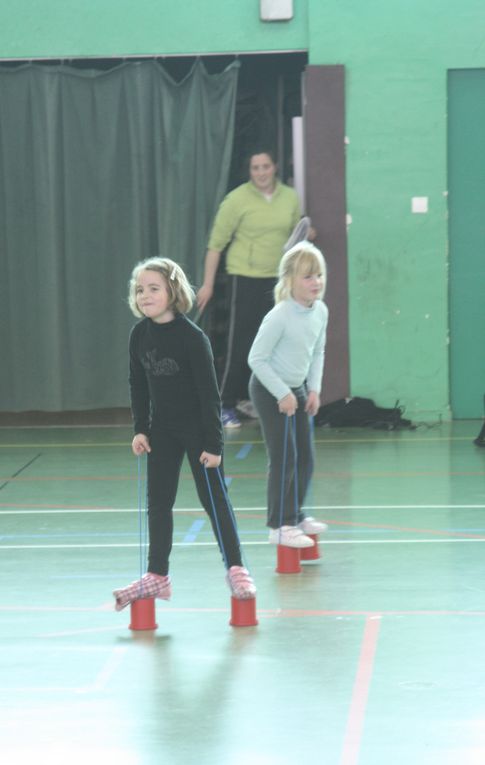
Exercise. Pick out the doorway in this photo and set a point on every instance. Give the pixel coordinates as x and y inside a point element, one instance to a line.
<point>466,185</point>
<point>272,90</point>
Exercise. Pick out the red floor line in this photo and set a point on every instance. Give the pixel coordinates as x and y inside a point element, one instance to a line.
<point>106,508</point>
<point>330,521</point>
<point>287,613</point>
<point>360,693</point>
<point>51,506</point>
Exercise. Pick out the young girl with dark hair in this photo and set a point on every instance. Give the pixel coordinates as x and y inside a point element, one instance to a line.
<point>176,412</point>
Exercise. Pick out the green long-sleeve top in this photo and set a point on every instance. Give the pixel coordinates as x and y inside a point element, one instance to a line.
<point>256,227</point>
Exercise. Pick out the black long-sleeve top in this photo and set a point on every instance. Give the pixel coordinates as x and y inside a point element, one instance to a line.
<point>173,381</point>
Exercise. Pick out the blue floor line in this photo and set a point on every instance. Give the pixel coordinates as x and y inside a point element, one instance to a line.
<point>194,530</point>
<point>244,451</point>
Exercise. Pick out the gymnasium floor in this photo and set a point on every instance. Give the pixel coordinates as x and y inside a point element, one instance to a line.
<point>370,656</point>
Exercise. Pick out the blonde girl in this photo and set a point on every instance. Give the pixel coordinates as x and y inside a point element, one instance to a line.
<point>286,360</point>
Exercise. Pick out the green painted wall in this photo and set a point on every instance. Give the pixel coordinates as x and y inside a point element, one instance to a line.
<point>69,28</point>
<point>396,54</point>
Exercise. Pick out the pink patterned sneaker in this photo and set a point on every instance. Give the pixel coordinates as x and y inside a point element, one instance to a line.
<point>149,586</point>
<point>241,583</point>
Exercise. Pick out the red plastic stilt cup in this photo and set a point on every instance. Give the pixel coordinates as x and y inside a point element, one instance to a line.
<point>243,612</point>
<point>288,560</point>
<point>311,553</point>
<point>143,614</point>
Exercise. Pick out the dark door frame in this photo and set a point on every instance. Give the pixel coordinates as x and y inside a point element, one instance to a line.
<point>324,126</point>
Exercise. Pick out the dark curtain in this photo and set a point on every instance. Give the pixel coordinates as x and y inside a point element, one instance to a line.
<point>97,171</point>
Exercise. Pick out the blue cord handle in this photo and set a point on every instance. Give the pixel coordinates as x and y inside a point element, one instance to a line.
<point>283,472</point>
<point>216,518</point>
<point>231,514</point>
<point>140,523</point>
<point>295,480</point>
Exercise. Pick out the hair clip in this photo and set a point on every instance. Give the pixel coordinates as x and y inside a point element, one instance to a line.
<point>172,275</point>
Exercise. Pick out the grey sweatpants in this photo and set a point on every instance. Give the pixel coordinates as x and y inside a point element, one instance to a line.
<point>289,446</point>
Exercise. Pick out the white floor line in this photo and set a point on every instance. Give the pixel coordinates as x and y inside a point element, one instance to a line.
<point>446,540</point>
<point>256,508</point>
<point>110,667</point>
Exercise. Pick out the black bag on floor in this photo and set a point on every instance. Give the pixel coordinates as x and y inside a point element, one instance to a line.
<point>362,413</point>
<point>480,439</point>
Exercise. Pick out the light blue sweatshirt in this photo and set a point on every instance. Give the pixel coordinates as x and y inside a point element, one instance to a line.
<point>290,347</point>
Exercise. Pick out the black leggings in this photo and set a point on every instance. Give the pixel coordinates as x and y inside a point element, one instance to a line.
<point>290,461</point>
<point>250,300</point>
<point>168,449</point>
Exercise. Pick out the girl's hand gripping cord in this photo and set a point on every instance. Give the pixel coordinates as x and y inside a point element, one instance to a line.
<point>288,405</point>
<point>312,403</point>
<point>210,460</point>
<point>140,444</point>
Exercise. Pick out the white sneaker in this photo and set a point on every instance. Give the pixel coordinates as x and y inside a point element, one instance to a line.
<point>289,536</point>
<point>247,409</point>
<point>311,526</point>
